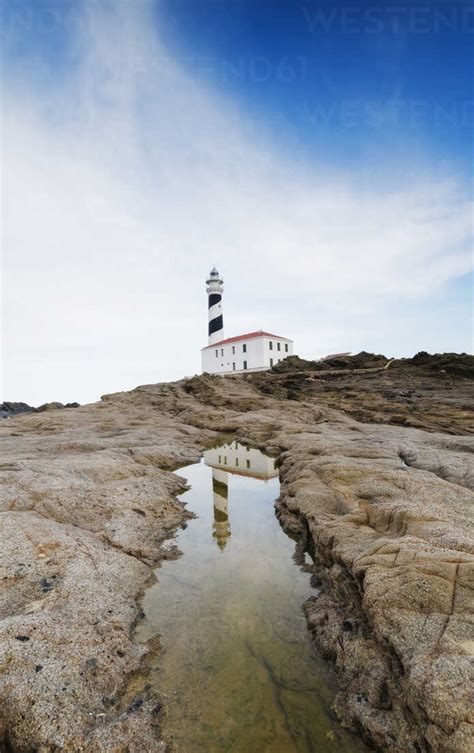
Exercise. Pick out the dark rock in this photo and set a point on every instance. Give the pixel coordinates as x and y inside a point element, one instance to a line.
<point>50,406</point>
<point>362,360</point>
<point>7,410</point>
<point>137,704</point>
<point>460,364</point>
<point>13,409</point>
<point>385,701</point>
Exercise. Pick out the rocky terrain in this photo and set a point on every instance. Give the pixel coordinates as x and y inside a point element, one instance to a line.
<point>425,392</point>
<point>377,484</point>
<point>8,410</point>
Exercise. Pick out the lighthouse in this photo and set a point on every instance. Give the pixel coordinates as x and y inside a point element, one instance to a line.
<point>227,460</point>
<point>214,290</point>
<point>220,494</point>
<point>254,351</point>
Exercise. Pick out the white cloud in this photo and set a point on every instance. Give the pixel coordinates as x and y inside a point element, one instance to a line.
<point>127,181</point>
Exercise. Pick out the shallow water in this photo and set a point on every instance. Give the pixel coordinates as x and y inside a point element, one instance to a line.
<point>237,667</point>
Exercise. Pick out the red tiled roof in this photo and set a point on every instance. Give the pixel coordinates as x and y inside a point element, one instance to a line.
<point>248,336</point>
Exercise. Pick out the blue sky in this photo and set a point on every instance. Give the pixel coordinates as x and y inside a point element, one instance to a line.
<point>353,79</point>
<point>319,154</point>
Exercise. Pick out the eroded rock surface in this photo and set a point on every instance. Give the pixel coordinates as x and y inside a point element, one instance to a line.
<point>89,497</point>
<point>431,392</point>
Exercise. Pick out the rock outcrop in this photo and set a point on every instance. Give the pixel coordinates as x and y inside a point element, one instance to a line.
<point>394,557</point>
<point>431,392</point>
<point>8,410</point>
<point>89,498</point>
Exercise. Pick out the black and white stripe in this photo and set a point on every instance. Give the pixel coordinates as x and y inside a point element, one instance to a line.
<point>216,321</point>
<point>220,493</point>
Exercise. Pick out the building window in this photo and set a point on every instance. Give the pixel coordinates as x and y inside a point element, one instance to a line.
<point>286,347</point>
<point>225,459</point>
<point>244,348</point>
<point>236,462</point>
<point>217,354</point>
<point>270,345</point>
<point>245,364</point>
<point>222,351</point>
<point>236,445</point>
<point>233,367</point>
<point>219,461</point>
<point>271,361</point>
<point>248,463</point>
<point>278,346</point>
<point>248,449</point>
<point>233,350</point>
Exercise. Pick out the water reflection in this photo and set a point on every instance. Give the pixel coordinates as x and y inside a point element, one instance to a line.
<point>241,460</point>
<point>237,668</point>
<point>220,495</point>
<point>233,458</point>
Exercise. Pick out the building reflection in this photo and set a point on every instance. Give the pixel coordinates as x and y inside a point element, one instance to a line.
<point>234,459</point>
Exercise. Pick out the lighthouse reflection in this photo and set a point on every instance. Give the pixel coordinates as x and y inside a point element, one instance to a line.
<point>226,460</point>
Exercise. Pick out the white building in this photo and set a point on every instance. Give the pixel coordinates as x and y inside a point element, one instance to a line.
<point>254,351</point>
<point>233,457</point>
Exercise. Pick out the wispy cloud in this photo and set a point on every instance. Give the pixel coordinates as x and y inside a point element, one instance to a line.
<point>125,180</point>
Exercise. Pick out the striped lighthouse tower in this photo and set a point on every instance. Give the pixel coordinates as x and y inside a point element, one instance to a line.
<point>214,289</point>
<point>220,494</point>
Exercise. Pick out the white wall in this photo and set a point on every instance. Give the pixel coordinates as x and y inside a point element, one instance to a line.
<point>274,353</point>
<point>257,355</point>
<point>245,461</point>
